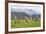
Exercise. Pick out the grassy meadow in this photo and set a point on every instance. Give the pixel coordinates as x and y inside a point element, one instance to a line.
<point>23,23</point>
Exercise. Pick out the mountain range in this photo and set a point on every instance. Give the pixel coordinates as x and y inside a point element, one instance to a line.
<point>26,12</point>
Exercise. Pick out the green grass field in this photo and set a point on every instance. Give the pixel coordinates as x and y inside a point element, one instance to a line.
<point>24,23</point>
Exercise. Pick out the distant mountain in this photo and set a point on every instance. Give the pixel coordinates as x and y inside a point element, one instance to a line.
<point>19,15</point>
<point>25,13</point>
<point>31,12</point>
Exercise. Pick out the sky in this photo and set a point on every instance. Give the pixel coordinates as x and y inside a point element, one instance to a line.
<point>20,8</point>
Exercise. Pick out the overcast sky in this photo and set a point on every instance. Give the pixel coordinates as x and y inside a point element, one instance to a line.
<point>21,8</point>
